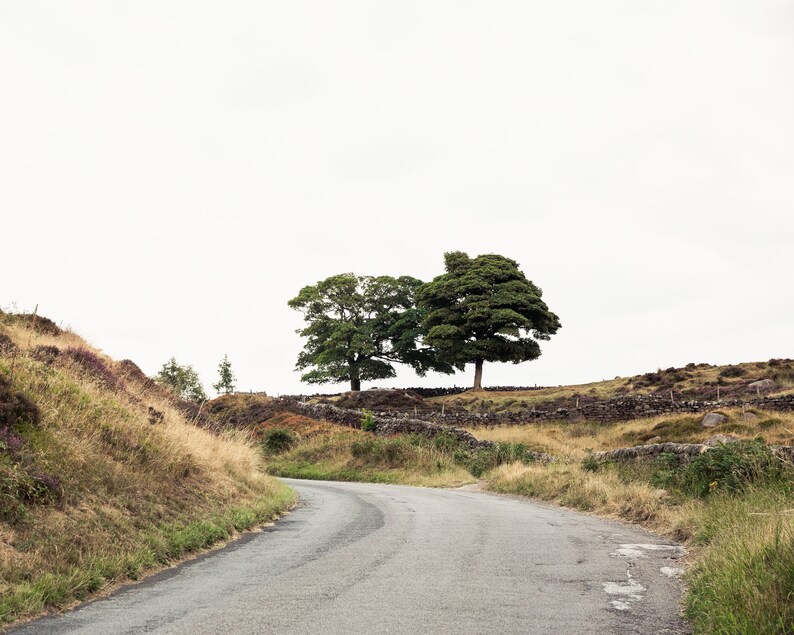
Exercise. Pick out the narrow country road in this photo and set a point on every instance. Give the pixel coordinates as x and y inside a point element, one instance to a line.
<point>365,558</point>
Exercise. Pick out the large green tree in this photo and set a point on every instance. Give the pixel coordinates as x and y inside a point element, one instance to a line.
<point>484,309</point>
<point>358,327</point>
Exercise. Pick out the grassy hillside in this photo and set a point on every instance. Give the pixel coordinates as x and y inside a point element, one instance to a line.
<point>574,440</point>
<point>694,381</point>
<point>102,476</point>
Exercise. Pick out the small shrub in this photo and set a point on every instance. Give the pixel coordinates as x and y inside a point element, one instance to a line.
<point>383,453</point>
<point>368,423</point>
<point>784,376</point>
<point>731,467</point>
<point>278,440</point>
<point>10,441</point>
<point>666,469</point>
<point>43,488</point>
<point>15,408</point>
<point>182,380</point>
<point>22,484</point>
<point>481,460</point>
<point>45,354</point>
<point>653,378</point>
<point>155,416</point>
<point>38,323</point>
<point>733,371</point>
<point>590,464</point>
<point>444,442</point>
<point>511,452</point>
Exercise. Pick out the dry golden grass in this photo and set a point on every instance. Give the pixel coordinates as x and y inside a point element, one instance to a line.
<point>575,439</point>
<point>603,493</point>
<point>134,495</point>
<point>27,338</point>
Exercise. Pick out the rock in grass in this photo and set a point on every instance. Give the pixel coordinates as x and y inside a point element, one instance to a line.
<point>718,439</point>
<point>713,419</point>
<point>762,385</point>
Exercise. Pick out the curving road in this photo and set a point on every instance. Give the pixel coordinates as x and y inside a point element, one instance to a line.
<point>365,558</point>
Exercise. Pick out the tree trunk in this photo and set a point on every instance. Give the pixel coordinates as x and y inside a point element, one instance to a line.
<point>355,384</point>
<point>478,374</point>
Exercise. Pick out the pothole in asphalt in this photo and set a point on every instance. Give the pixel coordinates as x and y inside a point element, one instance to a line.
<point>626,592</point>
<point>671,572</point>
<point>637,550</point>
<point>631,591</point>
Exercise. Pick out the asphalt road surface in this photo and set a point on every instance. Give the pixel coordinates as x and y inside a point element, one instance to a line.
<point>366,558</point>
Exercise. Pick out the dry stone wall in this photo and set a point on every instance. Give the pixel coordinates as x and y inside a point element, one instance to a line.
<point>458,390</point>
<point>384,425</point>
<point>686,451</point>
<point>431,392</point>
<point>603,411</point>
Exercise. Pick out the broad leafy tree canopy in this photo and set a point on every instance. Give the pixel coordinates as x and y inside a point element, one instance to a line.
<point>484,309</point>
<point>357,327</point>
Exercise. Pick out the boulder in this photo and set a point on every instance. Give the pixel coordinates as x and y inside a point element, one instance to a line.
<point>762,385</point>
<point>718,439</point>
<point>713,419</point>
<point>750,416</point>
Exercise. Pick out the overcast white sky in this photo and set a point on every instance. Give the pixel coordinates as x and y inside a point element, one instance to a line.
<point>171,173</point>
